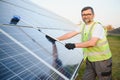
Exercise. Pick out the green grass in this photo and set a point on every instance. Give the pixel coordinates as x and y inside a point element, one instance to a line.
<point>114,42</point>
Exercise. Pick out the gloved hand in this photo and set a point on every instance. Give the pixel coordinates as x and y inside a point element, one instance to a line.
<point>70,45</point>
<point>50,39</point>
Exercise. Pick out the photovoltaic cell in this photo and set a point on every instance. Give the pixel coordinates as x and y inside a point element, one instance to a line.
<point>25,53</point>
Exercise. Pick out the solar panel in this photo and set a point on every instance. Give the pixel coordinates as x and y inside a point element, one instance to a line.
<point>25,53</point>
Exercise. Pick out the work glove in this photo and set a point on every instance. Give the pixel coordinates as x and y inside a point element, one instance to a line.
<point>70,45</point>
<point>50,39</point>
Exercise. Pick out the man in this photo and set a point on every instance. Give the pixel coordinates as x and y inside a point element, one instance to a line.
<point>95,46</point>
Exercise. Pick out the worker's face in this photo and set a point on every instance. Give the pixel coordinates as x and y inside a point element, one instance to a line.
<point>87,16</point>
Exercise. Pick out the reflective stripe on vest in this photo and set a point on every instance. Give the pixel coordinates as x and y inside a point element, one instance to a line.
<point>99,52</point>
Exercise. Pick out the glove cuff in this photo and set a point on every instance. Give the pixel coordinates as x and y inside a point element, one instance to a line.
<point>70,45</point>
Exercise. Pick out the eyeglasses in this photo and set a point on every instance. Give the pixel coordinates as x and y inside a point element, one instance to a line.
<point>86,14</point>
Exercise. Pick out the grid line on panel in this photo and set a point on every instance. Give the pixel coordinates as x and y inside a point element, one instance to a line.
<point>3,56</point>
<point>10,48</point>
<point>5,53</point>
<point>8,69</point>
<point>26,68</point>
<point>55,76</point>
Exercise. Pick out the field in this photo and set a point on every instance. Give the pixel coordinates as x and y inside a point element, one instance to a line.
<point>114,42</point>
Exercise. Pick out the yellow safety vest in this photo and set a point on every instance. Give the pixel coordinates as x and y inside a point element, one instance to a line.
<point>99,52</point>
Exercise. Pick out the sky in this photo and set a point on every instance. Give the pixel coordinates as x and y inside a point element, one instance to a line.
<point>106,11</point>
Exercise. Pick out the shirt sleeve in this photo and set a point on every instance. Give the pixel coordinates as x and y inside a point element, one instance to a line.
<point>98,32</point>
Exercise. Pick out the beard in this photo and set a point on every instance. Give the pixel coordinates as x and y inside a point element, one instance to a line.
<point>87,21</point>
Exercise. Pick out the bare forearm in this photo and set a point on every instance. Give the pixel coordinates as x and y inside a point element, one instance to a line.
<point>83,45</point>
<point>67,35</point>
<point>87,44</point>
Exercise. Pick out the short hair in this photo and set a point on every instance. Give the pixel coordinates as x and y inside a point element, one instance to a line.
<point>86,8</point>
